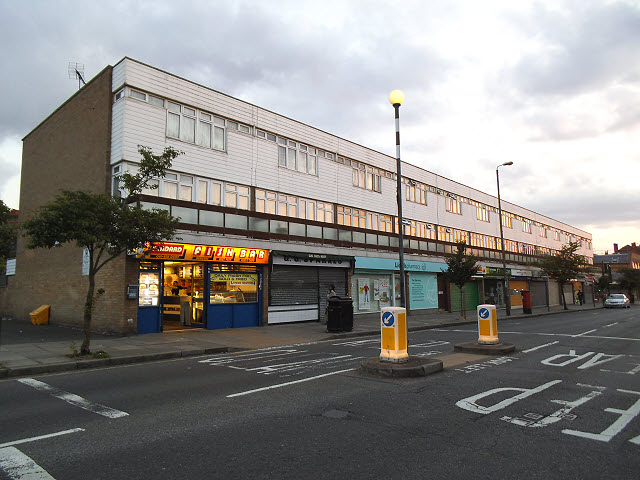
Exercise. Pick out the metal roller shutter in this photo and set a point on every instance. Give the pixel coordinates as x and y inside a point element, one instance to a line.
<point>538,293</point>
<point>293,285</point>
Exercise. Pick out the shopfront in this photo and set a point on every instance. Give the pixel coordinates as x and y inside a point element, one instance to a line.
<point>376,284</point>
<point>185,286</point>
<point>299,283</point>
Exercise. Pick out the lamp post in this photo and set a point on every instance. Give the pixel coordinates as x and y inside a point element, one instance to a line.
<point>505,287</point>
<point>396,98</point>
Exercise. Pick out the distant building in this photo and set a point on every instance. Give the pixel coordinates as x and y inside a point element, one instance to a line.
<point>272,211</point>
<point>612,263</point>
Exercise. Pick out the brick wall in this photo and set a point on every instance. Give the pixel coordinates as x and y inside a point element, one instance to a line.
<point>70,150</point>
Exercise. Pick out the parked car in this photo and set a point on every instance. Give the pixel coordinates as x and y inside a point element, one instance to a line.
<point>617,300</point>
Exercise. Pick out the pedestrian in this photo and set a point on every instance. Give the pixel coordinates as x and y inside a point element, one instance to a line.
<point>580,297</point>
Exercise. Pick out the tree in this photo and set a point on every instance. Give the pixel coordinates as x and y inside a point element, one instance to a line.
<point>604,282</point>
<point>103,225</point>
<point>630,279</point>
<point>461,268</point>
<point>564,266</point>
<point>8,233</point>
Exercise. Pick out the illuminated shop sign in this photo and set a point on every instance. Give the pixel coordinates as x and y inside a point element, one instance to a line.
<point>205,253</point>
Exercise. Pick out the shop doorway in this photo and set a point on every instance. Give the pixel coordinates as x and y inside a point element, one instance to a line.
<point>183,296</point>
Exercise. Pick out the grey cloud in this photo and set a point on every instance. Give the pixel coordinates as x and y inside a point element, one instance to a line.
<point>586,48</point>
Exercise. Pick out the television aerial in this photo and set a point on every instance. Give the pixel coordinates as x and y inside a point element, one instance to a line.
<point>76,71</point>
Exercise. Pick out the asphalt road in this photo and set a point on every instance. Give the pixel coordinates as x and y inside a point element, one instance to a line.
<point>566,405</point>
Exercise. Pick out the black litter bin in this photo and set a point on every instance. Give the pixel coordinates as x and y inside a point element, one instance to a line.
<point>340,314</point>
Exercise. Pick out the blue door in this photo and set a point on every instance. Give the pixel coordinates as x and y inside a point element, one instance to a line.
<point>149,299</point>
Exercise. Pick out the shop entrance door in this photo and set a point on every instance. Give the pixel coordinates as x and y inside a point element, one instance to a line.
<point>184,294</point>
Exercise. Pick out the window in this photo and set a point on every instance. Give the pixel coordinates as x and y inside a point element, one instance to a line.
<point>454,205</point>
<point>416,192</point>
<point>295,156</point>
<point>157,101</point>
<point>236,196</point>
<point>119,94</point>
<point>151,188</point>
<point>170,186</point>
<point>543,231</point>
<point>186,188</point>
<point>287,205</point>
<point>203,190</point>
<point>324,212</point>
<point>365,176</point>
<point>266,201</point>
<point>506,220</point>
<point>351,217</point>
<point>482,212</point>
<point>192,126</point>
<point>556,235</point>
<point>139,95</point>
<point>526,226</point>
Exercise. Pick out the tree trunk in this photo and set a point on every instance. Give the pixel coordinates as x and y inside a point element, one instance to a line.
<point>463,311</point>
<point>564,299</point>
<point>88,308</point>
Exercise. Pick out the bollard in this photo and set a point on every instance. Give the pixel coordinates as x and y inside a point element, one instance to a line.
<point>487,325</point>
<point>393,335</point>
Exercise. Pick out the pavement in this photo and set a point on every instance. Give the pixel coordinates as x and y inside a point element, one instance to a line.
<point>27,349</point>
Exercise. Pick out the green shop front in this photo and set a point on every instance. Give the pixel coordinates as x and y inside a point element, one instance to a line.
<point>375,284</point>
<point>183,286</point>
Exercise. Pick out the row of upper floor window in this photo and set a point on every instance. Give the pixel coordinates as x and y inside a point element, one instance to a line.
<point>205,129</point>
<point>202,190</point>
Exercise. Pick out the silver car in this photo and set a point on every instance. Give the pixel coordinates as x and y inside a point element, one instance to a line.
<point>617,300</point>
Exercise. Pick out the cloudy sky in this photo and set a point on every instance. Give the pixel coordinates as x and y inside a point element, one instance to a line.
<point>553,86</point>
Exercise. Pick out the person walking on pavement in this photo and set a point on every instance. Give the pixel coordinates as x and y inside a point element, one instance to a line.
<point>580,297</point>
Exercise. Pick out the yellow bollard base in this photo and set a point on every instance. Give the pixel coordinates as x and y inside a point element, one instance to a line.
<point>488,340</point>
<point>394,357</point>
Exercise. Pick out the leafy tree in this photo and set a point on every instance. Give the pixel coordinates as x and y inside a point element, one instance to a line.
<point>103,225</point>
<point>630,279</point>
<point>461,268</point>
<point>564,266</point>
<point>604,282</point>
<point>8,232</point>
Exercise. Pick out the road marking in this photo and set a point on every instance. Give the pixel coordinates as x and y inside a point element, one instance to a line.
<point>279,385</point>
<point>74,399</point>
<point>41,437</point>
<point>555,335</point>
<point>611,324</point>
<point>625,418</point>
<point>259,355</point>
<point>540,346</point>
<point>584,333</point>
<point>20,467</point>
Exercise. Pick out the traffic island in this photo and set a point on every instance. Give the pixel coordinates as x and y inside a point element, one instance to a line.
<point>484,348</point>
<point>413,367</point>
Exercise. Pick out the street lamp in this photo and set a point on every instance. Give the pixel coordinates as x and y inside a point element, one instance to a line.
<point>505,287</point>
<point>396,98</point>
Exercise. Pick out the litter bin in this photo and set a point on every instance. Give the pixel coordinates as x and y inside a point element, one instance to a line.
<point>526,301</point>
<point>40,316</point>
<point>340,314</point>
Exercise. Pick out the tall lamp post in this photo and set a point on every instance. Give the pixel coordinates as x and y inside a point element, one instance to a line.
<point>505,287</point>
<point>396,98</point>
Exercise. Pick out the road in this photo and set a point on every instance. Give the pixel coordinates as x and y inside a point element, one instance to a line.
<point>566,405</point>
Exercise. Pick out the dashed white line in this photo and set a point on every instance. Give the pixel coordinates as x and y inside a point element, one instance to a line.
<point>279,385</point>
<point>611,324</point>
<point>41,437</point>
<point>540,346</point>
<point>74,399</point>
<point>20,467</point>
<point>584,333</point>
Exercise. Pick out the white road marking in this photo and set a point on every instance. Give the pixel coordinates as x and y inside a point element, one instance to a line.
<point>553,335</point>
<point>41,437</point>
<point>73,399</point>
<point>610,325</point>
<point>540,346</point>
<point>20,467</point>
<point>258,355</point>
<point>625,417</point>
<point>584,333</point>
<point>470,404</point>
<point>279,385</point>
